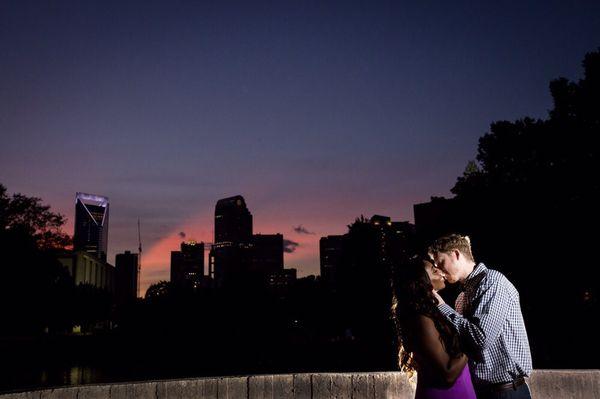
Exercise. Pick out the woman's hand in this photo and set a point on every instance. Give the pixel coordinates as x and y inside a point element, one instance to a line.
<point>438,297</point>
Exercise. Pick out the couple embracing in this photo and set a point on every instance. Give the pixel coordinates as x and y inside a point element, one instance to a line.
<point>479,349</point>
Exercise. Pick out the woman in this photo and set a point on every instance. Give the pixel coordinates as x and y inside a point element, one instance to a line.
<point>427,341</point>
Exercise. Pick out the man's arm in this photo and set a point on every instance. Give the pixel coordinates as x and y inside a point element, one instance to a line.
<point>481,328</point>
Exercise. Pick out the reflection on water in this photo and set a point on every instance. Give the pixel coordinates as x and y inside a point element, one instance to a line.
<point>51,361</point>
<point>75,375</point>
<point>23,378</point>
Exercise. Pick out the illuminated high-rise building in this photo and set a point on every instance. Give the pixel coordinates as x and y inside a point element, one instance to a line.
<point>91,225</point>
<point>233,221</point>
<point>231,254</point>
<point>331,256</point>
<point>187,265</point>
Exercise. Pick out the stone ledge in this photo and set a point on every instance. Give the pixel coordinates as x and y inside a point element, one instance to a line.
<point>545,384</point>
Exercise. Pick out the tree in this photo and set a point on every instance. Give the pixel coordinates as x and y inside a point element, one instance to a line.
<point>26,215</point>
<point>536,156</point>
<point>159,291</point>
<point>36,289</point>
<point>530,202</point>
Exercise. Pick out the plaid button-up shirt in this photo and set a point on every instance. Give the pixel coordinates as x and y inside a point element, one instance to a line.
<point>489,321</point>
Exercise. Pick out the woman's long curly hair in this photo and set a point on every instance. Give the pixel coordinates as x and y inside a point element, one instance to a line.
<point>413,296</point>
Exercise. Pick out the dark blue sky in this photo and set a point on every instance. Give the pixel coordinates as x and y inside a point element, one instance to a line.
<point>315,111</point>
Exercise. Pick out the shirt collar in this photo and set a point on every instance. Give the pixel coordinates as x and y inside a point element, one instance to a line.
<point>471,281</point>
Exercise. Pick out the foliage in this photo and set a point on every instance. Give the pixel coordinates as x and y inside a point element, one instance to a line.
<point>554,158</point>
<point>28,216</point>
<point>529,203</point>
<point>37,289</point>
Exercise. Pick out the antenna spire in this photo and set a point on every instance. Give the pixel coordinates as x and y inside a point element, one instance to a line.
<point>139,270</point>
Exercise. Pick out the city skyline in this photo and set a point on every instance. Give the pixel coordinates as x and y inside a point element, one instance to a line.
<point>315,113</point>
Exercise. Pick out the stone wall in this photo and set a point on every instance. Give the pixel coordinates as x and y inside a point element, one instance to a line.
<point>545,384</point>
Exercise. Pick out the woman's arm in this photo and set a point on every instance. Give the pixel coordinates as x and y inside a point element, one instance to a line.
<point>432,351</point>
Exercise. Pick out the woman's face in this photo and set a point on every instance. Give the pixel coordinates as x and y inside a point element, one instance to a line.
<point>435,275</point>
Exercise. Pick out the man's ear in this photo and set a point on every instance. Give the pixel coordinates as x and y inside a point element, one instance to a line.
<point>457,254</point>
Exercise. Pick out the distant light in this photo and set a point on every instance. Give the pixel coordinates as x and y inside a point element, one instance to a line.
<point>96,199</point>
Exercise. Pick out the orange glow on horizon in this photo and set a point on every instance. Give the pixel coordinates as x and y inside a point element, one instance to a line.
<point>305,258</point>
<point>318,218</point>
<point>156,261</point>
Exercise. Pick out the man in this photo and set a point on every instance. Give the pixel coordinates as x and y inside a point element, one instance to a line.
<point>488,319</point>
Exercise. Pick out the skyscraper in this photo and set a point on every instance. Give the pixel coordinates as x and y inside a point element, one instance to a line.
<point>331,254</point>
<point>126,265</point>
<point>267,258</point>
<point>365,256</point>
<point>231,253</point>
<point>187,265</point>
<point>267,253</point>
<point>91,225</point>
<point>233,221</point>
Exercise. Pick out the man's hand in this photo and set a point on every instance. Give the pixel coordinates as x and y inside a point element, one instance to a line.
<point>438,297</point>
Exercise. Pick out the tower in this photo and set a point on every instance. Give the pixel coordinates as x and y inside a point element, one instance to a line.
<point>233,221</point>
<point>187,265</point>
<point>231,254</point>
<point>91,224</point>
<point>126,265</point>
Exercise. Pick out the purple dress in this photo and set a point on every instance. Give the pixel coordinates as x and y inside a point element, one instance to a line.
<point>462,389</point>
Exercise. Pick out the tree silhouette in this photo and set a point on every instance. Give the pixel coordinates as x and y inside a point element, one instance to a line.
<point>27,216</point>
<point>530,203</point>
<point>556,155</point>
<point>36,289</point>
<point>158,291</point>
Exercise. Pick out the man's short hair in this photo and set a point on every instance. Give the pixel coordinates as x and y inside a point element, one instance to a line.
<point>451,242</point>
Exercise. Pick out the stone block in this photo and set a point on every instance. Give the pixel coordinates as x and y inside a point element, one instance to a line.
<point>283,386</point>
<point>392,385</point>
<point>321,386</point>
<point>183,389</point>
<point>572,384</point>
<point>232,388</point>
<point>59,393</point>
<point>362,386</point>
<point>94,392</point>
<point>341,386</point>
<point>260,386</point>
<point>302,386</point>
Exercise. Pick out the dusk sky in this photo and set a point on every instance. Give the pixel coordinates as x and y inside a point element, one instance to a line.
<point>315,111</point>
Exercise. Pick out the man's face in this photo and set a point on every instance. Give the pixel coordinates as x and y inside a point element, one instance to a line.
<point>448,263</point>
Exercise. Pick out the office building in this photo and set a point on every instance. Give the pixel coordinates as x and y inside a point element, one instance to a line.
<point>231,254</point>
<point>127,268</point>
<point>330,254</point>
<point>187,265</point>
<point>91,225</point>
<point>233,221</point>
<point>85,268</point>
<point>267,253</point>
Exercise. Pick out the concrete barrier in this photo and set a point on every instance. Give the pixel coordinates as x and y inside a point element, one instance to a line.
<point>545,384</point>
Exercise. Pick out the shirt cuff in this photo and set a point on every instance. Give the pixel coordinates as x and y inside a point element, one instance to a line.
<point>446,310</point>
